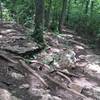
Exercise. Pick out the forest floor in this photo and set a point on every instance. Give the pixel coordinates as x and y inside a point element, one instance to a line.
<point>66,69</point>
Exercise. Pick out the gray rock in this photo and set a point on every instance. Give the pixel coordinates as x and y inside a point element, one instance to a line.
<point>17,76</point>
<point>46,97</point>
<point>50,97</point>
<point>75,87</point>
<point>56,98</point>
<point>92,92</point>
<point>93,70</point>
<point>5,94</point>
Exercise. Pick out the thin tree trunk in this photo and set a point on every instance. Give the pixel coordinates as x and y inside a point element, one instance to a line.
<point>48,12</point>
<point>68,10</point>
<point>62,16</point>
<point>1,13</point>
<point>87,6</point>
<point>39,14</point>
<point>91,8</point>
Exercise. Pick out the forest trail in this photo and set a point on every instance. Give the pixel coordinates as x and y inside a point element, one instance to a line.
<point>66,69</point>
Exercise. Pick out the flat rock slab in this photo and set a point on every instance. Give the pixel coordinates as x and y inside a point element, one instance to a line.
<point>15,40</point>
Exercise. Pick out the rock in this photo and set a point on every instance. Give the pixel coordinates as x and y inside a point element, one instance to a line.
<point>93,92</point>
<point>84,82</point>
<point>89,99</point>
<point>19,50</point>
<point>17,76</point>
<point>46,97</point>
<point>75,87</point>
<point>24,86</point>
<point>15,98</point>
<point>67,58</point>
<point>56,98</point>
<point>5,94</point>
<point>81,64</point>
<point>50,97</point>
<point>38,92</point>
<point>93,70</point>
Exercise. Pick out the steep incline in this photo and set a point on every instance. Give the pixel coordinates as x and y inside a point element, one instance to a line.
<point>65,70</point>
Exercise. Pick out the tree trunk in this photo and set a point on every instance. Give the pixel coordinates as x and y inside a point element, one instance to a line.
<point>39,14</point>
<point>1,15</point>
<point>68,10</point>
<point>87,6</point>
<point>48,12</point>
<point>91,8</point>
<point>62,16</point>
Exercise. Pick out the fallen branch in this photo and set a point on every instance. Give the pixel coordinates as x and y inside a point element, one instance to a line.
<point>60,85</point>
<point>32,72</point>
<point>7,59</point>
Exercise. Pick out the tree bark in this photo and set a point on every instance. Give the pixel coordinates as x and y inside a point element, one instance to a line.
<point>48,12</point>
<point>39,14</point>
<point>87,6</point>
<point>92,8</point>
<point>68,10</point>
<point>1,15</point>
<point>62,16</point>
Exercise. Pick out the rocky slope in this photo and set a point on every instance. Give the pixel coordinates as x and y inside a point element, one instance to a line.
<point>65,70</point>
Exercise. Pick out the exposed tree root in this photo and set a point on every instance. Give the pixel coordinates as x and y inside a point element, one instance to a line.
<point>32,72</point>
<point>64,76</point>
<point>59,72</point>
<point>66,88</point>
<point>7,59</point>
<point>69,74</point>
<point>50,78</point>
<point>37,62</point>
<point>78,43</point>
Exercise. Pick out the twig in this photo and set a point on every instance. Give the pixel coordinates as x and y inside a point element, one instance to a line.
<point>32,72</point>
<point>7,59</point>
<point>60,85</point>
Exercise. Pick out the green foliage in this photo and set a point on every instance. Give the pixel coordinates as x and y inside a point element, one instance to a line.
<point>81,15</point>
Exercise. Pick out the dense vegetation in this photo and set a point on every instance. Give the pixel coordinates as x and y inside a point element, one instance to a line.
<point>83,16</point>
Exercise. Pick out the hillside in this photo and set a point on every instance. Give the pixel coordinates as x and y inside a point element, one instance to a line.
<point>66,69</point>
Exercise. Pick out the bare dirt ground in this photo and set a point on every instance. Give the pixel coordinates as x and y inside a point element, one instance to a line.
<point>66,69</point>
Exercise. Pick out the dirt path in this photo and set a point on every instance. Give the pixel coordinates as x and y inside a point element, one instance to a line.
<point>65,70</point>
